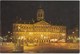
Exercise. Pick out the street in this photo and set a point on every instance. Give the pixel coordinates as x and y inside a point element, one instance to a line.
<point>42,48</point>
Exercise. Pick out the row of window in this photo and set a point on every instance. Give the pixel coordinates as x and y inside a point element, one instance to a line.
<point>54,28</point>
<point>38,30</point>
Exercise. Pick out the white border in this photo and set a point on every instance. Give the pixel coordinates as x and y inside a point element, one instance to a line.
<point>39,0</point>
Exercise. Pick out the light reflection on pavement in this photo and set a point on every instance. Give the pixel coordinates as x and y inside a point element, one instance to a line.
<point>42,48</point>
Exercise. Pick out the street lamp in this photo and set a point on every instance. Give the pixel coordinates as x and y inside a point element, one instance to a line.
<point>73,32</point>
<point>8,32</point>
<point>21,38</point>
<point>20,43</point>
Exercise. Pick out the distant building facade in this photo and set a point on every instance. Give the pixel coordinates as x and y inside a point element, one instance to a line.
<point>73,35</point>
<point>39,32</point>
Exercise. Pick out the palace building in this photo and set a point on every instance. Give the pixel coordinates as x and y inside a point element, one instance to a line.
<point>39,32</point>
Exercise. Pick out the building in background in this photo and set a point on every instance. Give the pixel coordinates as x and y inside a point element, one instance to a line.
<point>73,35</point>
<point>39,32</point>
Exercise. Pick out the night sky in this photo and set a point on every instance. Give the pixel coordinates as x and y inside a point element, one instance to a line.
<point>65,13</point>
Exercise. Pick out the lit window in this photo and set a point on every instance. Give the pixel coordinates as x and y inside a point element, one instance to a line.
<point>30,33</point>
<point>55,39</point>
<point>63,34</point>
<point>18,27</point>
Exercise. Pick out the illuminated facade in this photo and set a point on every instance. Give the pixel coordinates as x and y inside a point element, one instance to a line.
<point>40,32</point>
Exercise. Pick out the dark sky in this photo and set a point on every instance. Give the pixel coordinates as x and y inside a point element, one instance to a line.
<point>66,13</point>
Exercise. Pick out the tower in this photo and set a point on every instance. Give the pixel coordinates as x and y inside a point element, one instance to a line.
<point>40,14</point>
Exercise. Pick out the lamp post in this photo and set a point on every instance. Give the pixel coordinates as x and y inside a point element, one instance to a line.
<point>18,45</point>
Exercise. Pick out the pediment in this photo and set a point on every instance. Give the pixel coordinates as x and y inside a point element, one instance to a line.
<point>42,23</point>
